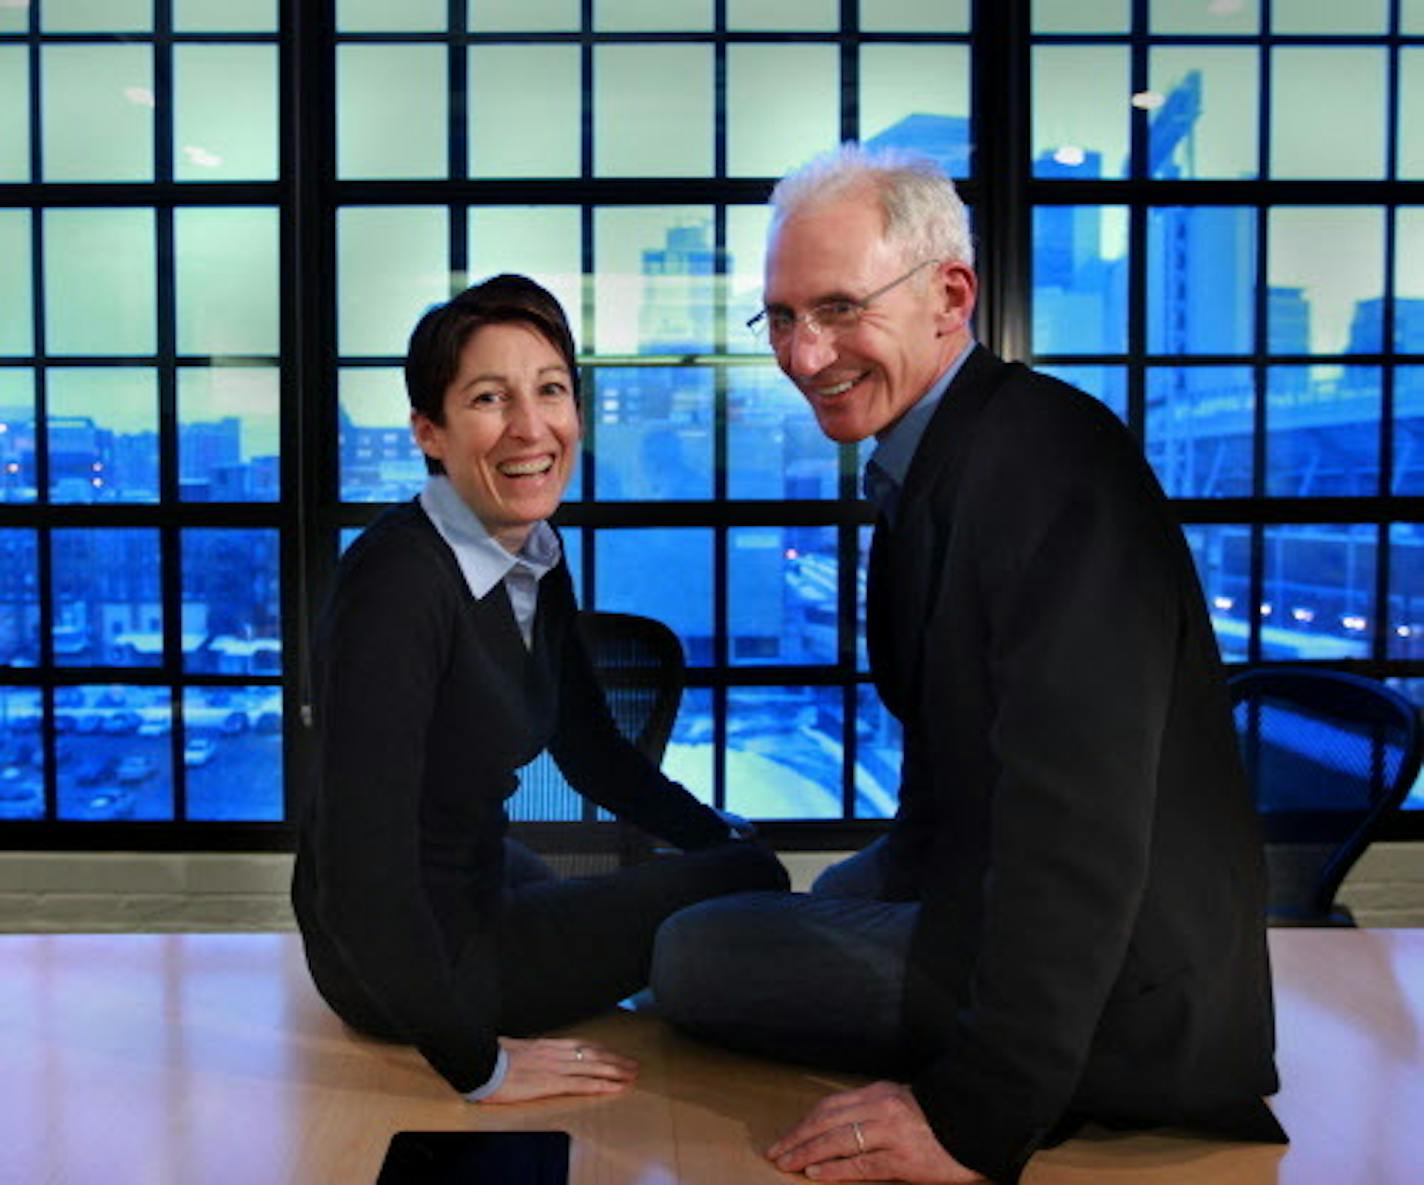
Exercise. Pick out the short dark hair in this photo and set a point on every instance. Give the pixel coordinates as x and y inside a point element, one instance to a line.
<point>433,356</point>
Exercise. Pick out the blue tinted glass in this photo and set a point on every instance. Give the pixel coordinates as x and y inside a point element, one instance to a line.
<point>1409,430</point>
<point>654,280</point>
<point>1199,424</point>
<point>775,449</point>
<point>653,432</point>
<point>17,436</point>
<point>229,434</point>
<point>1201,280</point>
<point>1408,280</point>
<point>232,752</point>
<point>1325,277</point>
<point>862,568</point>
<point>379,460</point>
<point>1319,599</point>
<point>573,556</point>
<point>1079,280</point>
<point>1406,591</point>
<point>662,573</point>
<point>1223,558</point>
<point>1108,384</point>
<point>21,754</point>
<point>690,751</point>
<point>231,605</point>
<point>113,753</point>
<point>103,434</point>
<point>1322,431</point>
<point>784,747</point>
<point>108,608</point>
<point>19,599</point>
<point>878,743</point>
<point>1080,119</point>
<point>782,594</point>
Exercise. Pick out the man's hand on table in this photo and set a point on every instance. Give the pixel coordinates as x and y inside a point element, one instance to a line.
<point>549,1066</point>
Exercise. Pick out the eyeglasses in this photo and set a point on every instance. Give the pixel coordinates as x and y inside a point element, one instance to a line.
<point>840,315</point>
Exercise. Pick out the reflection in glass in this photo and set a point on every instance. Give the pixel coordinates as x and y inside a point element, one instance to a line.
<point>1326,277</point>
<point>1223,559</point>
<point>1409,280</point>
<point>690,752</point>
<point>1082,16</point>
<point>99,281</point>
<point>1319,599</point>
<point>14,111</point>
<point>381,16</point>
<point>914,16</point>
<point>1327,112</point>
<point>231,603</point>
<point>113,755</point>
<point>746,252</point>
<point>879,741</point>
<point>225,113</point>
<point>659,572</point>
<point>542,242</point>
<point>864,538</point>
<point>799,16</point>
<point>103,434</point>
<point>1201,280</point>
<point>770,127</point>
<point>232,753</point>
<point>223,16</point>
<point>1322,431</point>
<point>1079,279</point>
<point>1313,16</point>
<point>378,458</point>
<point>1204,124</point>
<point>655,428</point>
<point>652,107</point>
<point>21,753</point>
<point>226,274</point>
<point>392,263</point>
<point>572,538</point>
<point>228,434</point>
<point>392,111</point>
<point>19,599</point>
<point>784,752</point>
<point>539,136</point>
<point>1199,422</point>
<point>781,595</point>
<point>916,97</point>
<point>17,435</point>
<point>774,448</point>
<point>1408,430</point>
<point>1080,124</point>
<point>16,308</point>
<point>1106,384</point>
<point>1406,591</point>
<point>647,16</point>
<point>1206,16</point>
<point>96,112</point>
<point>653,280</point>
<point>107,603</point>
<point>524,16</point>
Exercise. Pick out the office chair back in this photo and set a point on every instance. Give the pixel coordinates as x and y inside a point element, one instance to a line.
<point>1338,750</point>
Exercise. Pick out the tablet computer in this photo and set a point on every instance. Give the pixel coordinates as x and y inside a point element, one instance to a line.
<point>476,1158</point>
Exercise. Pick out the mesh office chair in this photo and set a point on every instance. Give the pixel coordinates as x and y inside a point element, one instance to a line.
<point>1339,750</point>
<point>640,665</point>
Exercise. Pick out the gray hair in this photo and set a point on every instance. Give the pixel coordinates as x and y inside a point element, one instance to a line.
<point>923,213</point>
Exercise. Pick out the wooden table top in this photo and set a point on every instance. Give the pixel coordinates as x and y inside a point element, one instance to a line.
<point>208,1058</point>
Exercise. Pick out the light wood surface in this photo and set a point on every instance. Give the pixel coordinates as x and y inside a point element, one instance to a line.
<point>209,1059</point>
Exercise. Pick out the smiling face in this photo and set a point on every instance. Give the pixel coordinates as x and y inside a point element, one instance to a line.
<point>510,434</point>
<point>861,381</point>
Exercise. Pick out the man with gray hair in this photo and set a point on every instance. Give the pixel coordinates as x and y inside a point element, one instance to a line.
<point>1065,920</point>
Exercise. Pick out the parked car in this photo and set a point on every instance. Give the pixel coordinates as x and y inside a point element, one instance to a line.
<point>199,751</point>
<point>136,769</point>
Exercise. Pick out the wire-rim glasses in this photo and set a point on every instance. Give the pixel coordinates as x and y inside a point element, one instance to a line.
<point>838,315</point>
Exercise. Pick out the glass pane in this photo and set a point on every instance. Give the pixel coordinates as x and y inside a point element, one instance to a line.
<point>229,434</point>
<point>379,460</point>
<point>914,16</point>
<point>232,752</point>
<point>653,279</point>
<point>14,112</point>
<point>781,595</point>
<point>746,254</point>
<point>1107,384</point>
<point>107,602</point>
<point>1411,16</point>
<point>392,264</point>
<point>103,434</point>
<point>96,16</point>
<point>690,752</point>
<point>1322,431</point>
<point>774,448</point>
<point>784,748</point>
<point>1080,110</point>
<point>659,572</point>
<point>1406,591</point>
<point>1327,112</point>
<point>1199,429</point>
<point>1204,122</point>
<point>17,327</point>
<point>19,601</point>
<point>17,436</point>
<point>542,134</point>
<point>97,112</point>
<point>654,433</point>
<point>648,16</point>
<point>225,16</point>
<point>572,538</point>
<point>879,741</point>
<point>21,754</point>
<point>226,278</point>
<point>1409,430</point>
<point>1079,279</point>
<point>1319,601</point>
<point>231,603</point>
<point>1206,16</point>
<point>771,127</point>
<point>225,113</point>
<point>864,538</point>
<point>1082,16</point>
<point>1223,558</point>
<point>15,17</point>
<point>99,282</point>
<point>652,109</point>
<point>1329,16</point>
<point>392,111</point>
<point>542,242</point>
<point>1409,142</point>
<point>1201,280</point>
<point>789,15</point>
<point>917,97</point>
<point>1326,271</point>
<point>382,16</point>
<point>524,16</point>
<point>113,757</point>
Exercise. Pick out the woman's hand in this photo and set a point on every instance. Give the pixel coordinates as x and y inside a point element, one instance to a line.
<point>544,1067</point>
